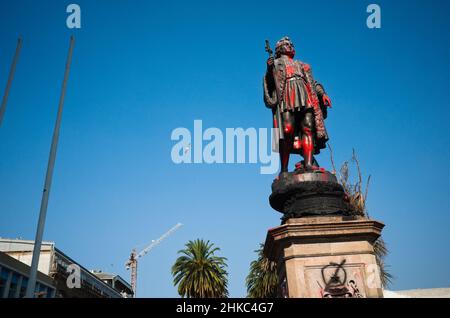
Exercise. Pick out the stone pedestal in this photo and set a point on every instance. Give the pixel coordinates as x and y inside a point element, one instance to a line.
<point>326,256</point>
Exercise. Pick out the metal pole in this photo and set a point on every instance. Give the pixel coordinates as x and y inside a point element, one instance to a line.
<point>10,78</point>
<point>48,181</point>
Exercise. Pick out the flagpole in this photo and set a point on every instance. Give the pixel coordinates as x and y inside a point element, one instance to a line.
<point>10,78</point>
<point>48,181</point>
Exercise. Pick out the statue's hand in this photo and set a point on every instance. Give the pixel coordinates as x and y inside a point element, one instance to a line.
<point>326,100</point>
<point>270,62</point>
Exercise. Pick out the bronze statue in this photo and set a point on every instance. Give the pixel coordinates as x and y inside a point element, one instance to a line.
<point>299,106</point>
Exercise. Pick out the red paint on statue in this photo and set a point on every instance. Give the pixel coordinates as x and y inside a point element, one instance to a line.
<point>288,129</point>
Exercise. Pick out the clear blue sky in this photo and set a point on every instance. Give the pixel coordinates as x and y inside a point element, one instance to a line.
<point>141,69</point>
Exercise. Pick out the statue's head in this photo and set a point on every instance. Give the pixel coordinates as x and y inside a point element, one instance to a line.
<point>284,47</point>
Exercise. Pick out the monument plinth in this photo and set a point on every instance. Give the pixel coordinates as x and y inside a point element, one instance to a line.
<point>326,257</point>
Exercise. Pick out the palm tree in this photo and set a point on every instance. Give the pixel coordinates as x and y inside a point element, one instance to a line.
<point>199,273</point>
<point>262,280</point>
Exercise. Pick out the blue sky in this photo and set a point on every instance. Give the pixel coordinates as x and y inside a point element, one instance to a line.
<point>141,69</point>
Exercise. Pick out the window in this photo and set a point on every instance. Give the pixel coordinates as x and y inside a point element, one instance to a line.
<point>13,285</point>
<point>42,291</point>
<point>50,293</point>
<point>4,274</point>
<point>23,287</point>
<point>36,290</point>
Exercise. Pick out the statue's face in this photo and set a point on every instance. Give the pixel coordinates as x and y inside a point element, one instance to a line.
<point>285,47</point>
<point>288,49</point>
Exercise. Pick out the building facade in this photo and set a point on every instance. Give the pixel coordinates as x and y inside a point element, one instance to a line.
<point>58,275</point>
<point>14,279</point>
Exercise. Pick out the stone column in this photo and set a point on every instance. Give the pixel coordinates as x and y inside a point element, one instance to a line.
<point>326,256</point>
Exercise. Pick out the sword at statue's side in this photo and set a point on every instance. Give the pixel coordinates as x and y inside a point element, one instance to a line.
<point>279,98</point>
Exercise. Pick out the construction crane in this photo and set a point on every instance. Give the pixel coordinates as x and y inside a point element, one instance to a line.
<point>132,262</point>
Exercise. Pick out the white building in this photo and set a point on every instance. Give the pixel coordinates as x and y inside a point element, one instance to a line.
<point>54,264</point>
<point>418,293</point>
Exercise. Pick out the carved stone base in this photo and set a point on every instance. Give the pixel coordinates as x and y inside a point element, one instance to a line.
<point>325,257</point>
<point>308,194</point>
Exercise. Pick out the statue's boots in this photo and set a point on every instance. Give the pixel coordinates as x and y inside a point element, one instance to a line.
<point>284,156</point>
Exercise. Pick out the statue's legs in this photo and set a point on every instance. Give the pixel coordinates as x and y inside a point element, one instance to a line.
<point>286,143</point>
<point>307,126</point>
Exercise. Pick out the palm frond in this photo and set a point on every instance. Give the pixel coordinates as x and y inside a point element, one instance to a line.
<point>262,280</point>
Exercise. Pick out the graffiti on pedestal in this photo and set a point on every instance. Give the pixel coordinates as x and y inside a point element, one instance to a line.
<point>334,277</point>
